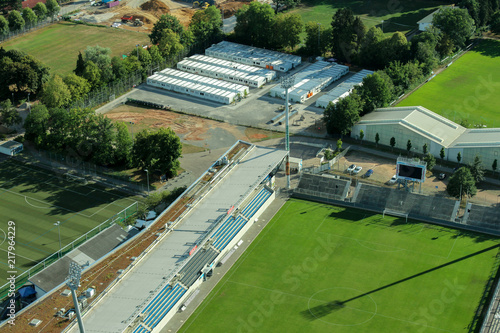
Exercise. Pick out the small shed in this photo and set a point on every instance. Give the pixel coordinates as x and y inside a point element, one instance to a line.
<point>11,148</point>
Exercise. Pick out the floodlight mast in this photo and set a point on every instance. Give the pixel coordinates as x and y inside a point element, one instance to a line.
<point>287,82</point>
<point>73,282</point>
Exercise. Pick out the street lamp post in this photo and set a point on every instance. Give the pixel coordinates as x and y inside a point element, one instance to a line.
<point>137,48</point>
<point>29,105</point>
<point>73,282</point>
<point>382,26</point>
<point>287,82</point>
<point>132,129</point>
<point>147,172</point>
<point>58,223</point>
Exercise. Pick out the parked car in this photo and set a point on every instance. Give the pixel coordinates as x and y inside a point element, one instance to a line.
<point>368,173</point>
<point>393,180</point>
<point>351,168</point>
<point>357,170</point>
<point>442,176</point>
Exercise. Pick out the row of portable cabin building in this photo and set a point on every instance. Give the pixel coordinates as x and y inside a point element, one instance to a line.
<point>254,56</point>
<point>198,86</point>
<point>342,90</point>
<point>311,81</point>
<point>228,71</point>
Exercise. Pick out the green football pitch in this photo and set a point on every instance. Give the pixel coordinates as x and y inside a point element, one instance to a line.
<point>468,90</point>
<point>34,199</point>
<point>321,268</point>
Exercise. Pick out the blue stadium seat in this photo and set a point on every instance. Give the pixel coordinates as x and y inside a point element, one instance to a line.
<point>161,304</point>
<point>141,329</point>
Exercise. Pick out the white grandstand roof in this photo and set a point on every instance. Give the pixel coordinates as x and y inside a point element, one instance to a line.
<point>417,119</point>
<point>114,311</point>
<point>480,137</point>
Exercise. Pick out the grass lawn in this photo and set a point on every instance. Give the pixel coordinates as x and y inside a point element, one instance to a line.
<point>321,268</point>
<point>468,90</point>
<point>35,199</point>
<point>58,45</point>
<point>397,15</point>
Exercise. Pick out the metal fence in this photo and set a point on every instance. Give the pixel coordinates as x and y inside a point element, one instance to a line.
<point>26,29</point>
<point>119,217</point>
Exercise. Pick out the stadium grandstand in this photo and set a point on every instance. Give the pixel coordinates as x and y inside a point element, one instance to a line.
<point>323,186</point>
<point>219,207</point>
<point>482,216</point>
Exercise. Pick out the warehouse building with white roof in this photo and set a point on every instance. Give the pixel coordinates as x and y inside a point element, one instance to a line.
<point>311,80</point>
<point>344,89</point>
<point>254,56</point>
<point>198,86</point>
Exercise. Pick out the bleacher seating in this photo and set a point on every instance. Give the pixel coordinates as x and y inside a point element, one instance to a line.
<point>323,186</point>
<point>256,203</point>
<point>486,217</point>
<point>192,271</point>
<point>230,230</point>
<point>141,329</point>
<point>161,304</point>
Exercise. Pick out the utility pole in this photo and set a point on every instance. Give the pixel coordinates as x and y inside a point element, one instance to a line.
<point>287,82</point>
<point>73,282</point>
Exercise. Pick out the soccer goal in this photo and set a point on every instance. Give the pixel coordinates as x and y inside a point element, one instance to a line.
<point>395,213</point>
<point>75,178</point>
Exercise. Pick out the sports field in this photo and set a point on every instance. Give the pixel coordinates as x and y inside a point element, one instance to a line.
<point>321,268</point>
<point>397,15</point>
<point>58,44</point>
<point>467,90</point>
<point>35,199</point>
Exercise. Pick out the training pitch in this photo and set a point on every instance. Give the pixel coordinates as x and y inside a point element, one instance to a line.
<point>34,199</point>
<point>58,45</point>
<point>468,90</point>
<point>321,268</point>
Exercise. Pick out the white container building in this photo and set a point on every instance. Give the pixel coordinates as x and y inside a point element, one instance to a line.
<point>311,80</point>
<point>216,72</point>
<point>344,89</point>
<point>246,69</point>
<point>254,56</point>
<point>195,85</point>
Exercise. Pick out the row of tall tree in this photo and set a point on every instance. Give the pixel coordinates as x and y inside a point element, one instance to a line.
<point>17,20</point>
<point>83,134</point>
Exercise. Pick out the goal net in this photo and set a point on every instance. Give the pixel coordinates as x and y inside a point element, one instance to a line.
<point>75,178</point>
<point>395,213</point>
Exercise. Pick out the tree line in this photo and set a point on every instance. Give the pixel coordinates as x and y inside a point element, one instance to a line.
<point>18,18</point>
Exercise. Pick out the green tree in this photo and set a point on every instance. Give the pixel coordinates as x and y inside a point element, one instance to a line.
<point>36,125</point>
<point>101,56</point>
<point>361,135</point>
<point>4,26</point>
<point>408,146</point>
<point>29,16</point>
<point>166,22</point>
<point>376,91</point>
<point>495,23</point>
<point>132,64</point>
<point>476,169</point>
<point>404,75</point>
<point>155,54</point>
<point>55,93</point>
<point>459,157</point>
<point>16,21</point>
<point>124,144</point>
<point>445,46</point>
<point>442,153</point>
<point>370,48</point>
<point>461,183</point>
<point>472,7</point>
<point>494,165</point>
<point>40,10</point>
<point>288,28</point>
<point>102,138</point>
<point>255,25</point>
<point>430,160</point>
<point>206,25</point>
<point>347,34</point>
<point>80,65</point>
<point>169,44</point>
<point>425,148</point>
<point>158,150</point>
<point>427,56</point>
<point>340,117</point>
<point>52,7</point>
<point>92,74</point>
<point>78,86</point>
<point>456,23</point>
<point>392,143</point>
<point>339,145</point>
<point>143,56</point>
<point>317,44</point>
<point>377,139</point>
<point>284,3</point>
<point>396,48</point>
<point>9,114</point>
<point>119,67</point>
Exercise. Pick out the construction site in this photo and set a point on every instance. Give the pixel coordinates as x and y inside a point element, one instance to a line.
<point>141,15</point>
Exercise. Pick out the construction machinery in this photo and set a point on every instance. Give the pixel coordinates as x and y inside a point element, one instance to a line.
<point>126,19</point>
<point>202,5</point>
<point>138,23</point>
